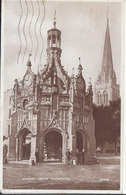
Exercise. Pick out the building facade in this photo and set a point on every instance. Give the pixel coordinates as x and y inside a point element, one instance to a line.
<point>51,112</point>
<point>7,109</point>
<point>106,88</point>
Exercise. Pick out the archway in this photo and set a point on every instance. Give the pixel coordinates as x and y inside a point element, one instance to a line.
<point>79,141</point>
<point>53,146</point>
<point>24,144</point>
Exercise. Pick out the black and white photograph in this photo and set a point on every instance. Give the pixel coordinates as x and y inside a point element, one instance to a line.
<point>62,83</point>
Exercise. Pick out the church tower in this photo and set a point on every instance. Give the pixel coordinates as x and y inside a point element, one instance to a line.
<point>106,89</point>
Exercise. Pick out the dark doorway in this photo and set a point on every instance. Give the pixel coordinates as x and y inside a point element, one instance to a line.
<point>24,145</point>
<point>53,146</point>
<point>79,141</point>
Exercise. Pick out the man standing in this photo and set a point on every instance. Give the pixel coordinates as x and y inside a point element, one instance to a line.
<point>83,156</point>
<point>37,156</point>
<point>68,155</point>
<point>77,155</point>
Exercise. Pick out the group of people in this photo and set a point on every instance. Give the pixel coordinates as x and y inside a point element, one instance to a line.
<point>80,156</point>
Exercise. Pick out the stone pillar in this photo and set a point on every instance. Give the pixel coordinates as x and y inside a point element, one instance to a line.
<point>8,151</point>
<point>74,147</point>
<point>17,149</point>
<point>34,136</point>
<point>20,147</point>
<point>69,143</point>
<point>33,150</point>
<point>12,149</point>
<point>63,148</point>
<point>41,149</point>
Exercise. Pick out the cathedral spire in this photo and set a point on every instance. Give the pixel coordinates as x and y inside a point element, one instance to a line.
<point>107,63</point>
<point>106,89</point>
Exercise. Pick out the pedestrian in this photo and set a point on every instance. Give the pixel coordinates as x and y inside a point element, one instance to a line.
<point>24,150</point>
<point>77,155</point>
<point>80,157</point>
<point>37,156</point>
<point>68,155</point>
<point>83,156</point>
<point>71,158</point>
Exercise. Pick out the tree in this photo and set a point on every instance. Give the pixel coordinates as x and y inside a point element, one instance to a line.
<point>116,117</point>
<point>107,123</point>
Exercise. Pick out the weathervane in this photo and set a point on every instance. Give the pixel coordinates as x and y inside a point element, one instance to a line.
<point>54,19</point>
<point>79,60</point>
<point>30,56</point>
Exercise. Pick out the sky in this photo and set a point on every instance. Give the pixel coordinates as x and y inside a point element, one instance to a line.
<point>82,25</point>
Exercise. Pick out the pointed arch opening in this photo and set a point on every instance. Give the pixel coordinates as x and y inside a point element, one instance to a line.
<point>53,143</point>
<point>24,144</point>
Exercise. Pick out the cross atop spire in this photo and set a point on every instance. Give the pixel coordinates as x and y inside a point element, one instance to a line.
<point>54,19</point>
<point>79,60</point>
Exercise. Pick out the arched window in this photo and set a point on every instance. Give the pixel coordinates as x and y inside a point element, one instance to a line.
<point>98,98</point>
<point>105,98</point>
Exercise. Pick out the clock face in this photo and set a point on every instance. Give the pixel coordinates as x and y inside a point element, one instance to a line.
<point>80,84</point>
<point>28,80</point>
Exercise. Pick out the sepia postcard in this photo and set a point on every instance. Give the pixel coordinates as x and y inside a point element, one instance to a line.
<point>62,94</point>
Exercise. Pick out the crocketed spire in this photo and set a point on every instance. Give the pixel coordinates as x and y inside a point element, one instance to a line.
<point>107,63</point>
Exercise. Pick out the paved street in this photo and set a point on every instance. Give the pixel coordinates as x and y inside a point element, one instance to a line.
<point>103,176</point>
